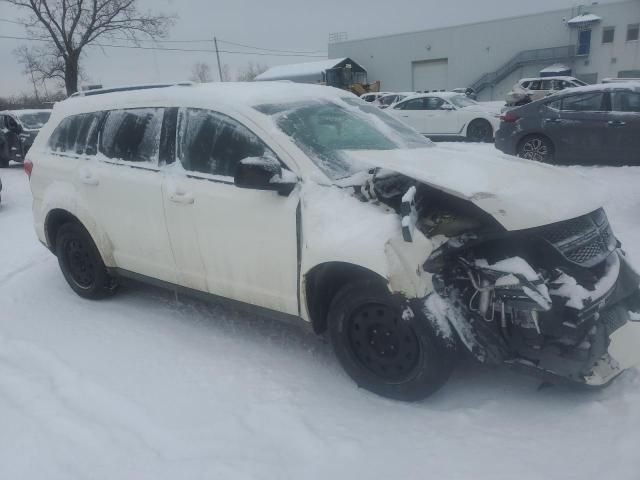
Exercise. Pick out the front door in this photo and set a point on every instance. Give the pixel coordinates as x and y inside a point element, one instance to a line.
<point>233,242</point>
<point>624,127</point>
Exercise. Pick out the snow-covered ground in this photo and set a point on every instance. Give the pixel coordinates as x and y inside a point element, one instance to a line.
<point>146,386</point>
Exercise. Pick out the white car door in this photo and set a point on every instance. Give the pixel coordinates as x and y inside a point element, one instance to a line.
<point>441,117</point>
<point>122,188</point>
<point>233,242</point>
<point>411,112</point>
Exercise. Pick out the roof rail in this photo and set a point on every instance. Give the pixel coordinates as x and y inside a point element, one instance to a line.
<point>100,91</point>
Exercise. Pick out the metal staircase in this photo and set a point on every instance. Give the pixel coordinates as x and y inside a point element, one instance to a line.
<point>526,57</point>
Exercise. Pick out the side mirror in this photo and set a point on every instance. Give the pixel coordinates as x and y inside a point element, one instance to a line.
<point>264,173</point>
<point>447,106</point>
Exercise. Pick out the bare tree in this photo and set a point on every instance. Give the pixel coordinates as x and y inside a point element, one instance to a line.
<point>70,25</point>
<point>251,71</point>
<point>201,73</point>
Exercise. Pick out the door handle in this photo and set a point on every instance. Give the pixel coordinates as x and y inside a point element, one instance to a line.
<point>404,116</point>
<point>182,197</point>
<point>552,120</point>
<point>616,123</point>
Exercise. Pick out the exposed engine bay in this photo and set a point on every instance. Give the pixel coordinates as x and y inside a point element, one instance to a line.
<point>546,299</point>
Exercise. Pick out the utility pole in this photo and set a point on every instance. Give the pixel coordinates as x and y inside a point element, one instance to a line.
<point>215,42</point>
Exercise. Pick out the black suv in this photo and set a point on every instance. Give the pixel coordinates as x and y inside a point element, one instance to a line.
<point>597,124</point>
<point>18,130</point>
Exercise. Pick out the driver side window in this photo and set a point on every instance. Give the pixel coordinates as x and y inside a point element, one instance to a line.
<point>212,143</point>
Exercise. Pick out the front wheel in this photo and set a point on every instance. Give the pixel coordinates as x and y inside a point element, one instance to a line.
<point>385,347</point>
<point>536,147</point>
<point>81,263</point>
<point>480,130</point>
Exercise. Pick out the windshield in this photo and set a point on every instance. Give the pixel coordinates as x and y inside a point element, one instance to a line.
<point>33,120</point>
<point>462,101</point>
<point>326,130</point>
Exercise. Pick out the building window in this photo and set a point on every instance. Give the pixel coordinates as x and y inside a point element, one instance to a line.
<point>632,32</point>
<point>607,34</point>
<point>584,42</point>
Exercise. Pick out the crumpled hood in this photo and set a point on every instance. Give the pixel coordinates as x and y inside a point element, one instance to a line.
<point>518,193</point>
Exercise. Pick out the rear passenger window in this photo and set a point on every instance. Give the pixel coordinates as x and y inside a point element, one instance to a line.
<point>626,102</point>
<point>209,142</point>
<point>586,102</point>
<point>415,104</point>
<point>132,135</point>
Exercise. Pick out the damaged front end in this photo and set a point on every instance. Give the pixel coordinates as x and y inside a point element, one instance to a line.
<point>559,300</point>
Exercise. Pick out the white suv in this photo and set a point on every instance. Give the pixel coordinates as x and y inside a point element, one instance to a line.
<point>308,204</point>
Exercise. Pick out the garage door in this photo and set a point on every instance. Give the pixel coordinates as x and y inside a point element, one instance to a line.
<point>430,74</point>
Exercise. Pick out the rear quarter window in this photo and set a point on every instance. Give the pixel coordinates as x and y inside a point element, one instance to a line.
<point>76,134</point>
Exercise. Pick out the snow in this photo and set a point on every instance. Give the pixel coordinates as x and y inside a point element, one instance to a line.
<point>555,68</point>
<point>147,386</point>
<point>584,18</point>
<point>515,265</point>
<point>577,295</point>
<point>299,69</point>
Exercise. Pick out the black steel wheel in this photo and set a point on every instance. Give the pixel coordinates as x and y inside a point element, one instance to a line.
<point>480,130</point>
<point>81,263</point>
<point>383,348</point>
<point>536,147</point>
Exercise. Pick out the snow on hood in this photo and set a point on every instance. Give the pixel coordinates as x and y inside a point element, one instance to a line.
<point>488,107</point>
<point>518,193</point>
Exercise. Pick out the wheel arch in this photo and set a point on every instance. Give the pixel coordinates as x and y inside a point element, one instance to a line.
<point>58,216</point>
<point>322,283</point>
<point>483,119</point>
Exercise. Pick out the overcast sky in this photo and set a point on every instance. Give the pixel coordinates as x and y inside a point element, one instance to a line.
<point>271,24</point>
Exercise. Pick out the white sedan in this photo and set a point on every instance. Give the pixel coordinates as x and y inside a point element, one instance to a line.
<point>448,114</point>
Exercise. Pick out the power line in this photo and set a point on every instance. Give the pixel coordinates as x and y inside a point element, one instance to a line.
<point>266,49</point>
<point>172,49</point>
<point>205,40</point>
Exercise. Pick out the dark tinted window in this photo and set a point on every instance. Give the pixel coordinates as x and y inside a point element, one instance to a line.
<point>415,104</point>
<point>632,32</point>
<point>585,102</point>
<point>626,102</point>
<point>132,135</point>
<point>433,103</point>
<point>213,143</point>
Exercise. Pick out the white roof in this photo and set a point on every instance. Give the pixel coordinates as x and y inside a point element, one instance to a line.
<point>237,96</point>
<point>26,110</point>
<point>584,18</point>
<point>557,77</point>
<point>299,69</point>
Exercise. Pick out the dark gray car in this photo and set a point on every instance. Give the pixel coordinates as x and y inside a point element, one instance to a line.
<point>598,124</point>
<point>18,130</point>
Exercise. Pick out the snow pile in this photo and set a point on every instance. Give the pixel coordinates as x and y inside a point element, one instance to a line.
<point>513,265</point>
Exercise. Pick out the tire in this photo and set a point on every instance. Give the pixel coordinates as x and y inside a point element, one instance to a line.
<point>479,130</point>
<point>392,356</point>
<point>81,263</point>
<point>4,159</point>
<point>536,147</point>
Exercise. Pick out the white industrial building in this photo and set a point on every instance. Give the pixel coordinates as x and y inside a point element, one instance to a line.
<point>594,42</point>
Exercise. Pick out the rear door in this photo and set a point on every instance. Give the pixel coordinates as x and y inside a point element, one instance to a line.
<point>582,133</point>
<point>236,243</point>
<point>122,188</point>
<point>624,127</point>
<point>413,113</point>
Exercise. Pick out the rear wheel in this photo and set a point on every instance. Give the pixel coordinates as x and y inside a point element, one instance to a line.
<point>480,130</point>
<point>384,349</point>
<point>4,158</point>
<point>81,264</point>
<point>536,147</point>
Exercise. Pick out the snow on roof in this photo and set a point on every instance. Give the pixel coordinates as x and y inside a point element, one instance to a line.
<point>584,18</point>
<point>233,95</point>
<point>556,67</point>
<point>299,69</point>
